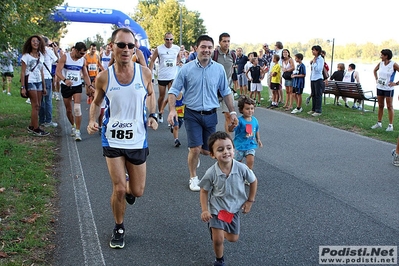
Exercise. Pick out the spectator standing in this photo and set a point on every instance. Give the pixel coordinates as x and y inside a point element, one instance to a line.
<point>267,58</point>
<point>239,65</point>
<point>288,67</point>
<point>275,80</point>
<point>298,83</point>
<point>32,64</point>
<point>7,70</point>
<point>255,76</point>
<point>384,74</point>
<point>316,81</point>
<point>46,107</point>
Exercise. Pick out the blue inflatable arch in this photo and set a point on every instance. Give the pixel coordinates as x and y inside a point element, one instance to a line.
<point>100,15</point>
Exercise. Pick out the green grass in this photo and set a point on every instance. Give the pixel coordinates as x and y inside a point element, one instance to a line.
<point>345,118</point>
<point>27,186</point>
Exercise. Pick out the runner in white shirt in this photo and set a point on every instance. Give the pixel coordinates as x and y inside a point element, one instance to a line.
<point>169,56</point>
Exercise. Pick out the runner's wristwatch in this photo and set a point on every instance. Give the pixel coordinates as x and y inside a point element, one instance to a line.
<point>155,116</point>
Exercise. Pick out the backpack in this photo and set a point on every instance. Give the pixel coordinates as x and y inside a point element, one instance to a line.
<point>215,58</point>
<point>216,55</point>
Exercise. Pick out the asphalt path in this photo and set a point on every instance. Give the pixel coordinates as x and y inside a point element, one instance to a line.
<point>317,186</point>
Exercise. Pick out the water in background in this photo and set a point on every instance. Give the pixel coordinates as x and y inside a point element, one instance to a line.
<point>367,80</point>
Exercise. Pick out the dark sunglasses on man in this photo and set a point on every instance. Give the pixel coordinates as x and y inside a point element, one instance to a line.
<point>122,45</point>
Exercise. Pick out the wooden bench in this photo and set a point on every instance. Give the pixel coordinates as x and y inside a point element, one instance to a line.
<point>355,91</point>
<point>331,88</point>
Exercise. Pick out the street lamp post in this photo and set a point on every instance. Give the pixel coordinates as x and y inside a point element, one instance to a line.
<point>181,22</point>
<point>332,54</point>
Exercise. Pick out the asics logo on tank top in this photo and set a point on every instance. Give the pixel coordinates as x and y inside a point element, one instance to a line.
<point>117,124</point>
<point>115,89</point>
<point>138,86</point>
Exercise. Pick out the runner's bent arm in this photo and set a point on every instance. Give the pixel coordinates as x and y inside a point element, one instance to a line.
<point>95,109</point>
<point>154,57</point>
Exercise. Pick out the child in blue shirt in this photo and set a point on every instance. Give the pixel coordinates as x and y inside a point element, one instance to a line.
<point>247,137</point>
<point>298,83</point>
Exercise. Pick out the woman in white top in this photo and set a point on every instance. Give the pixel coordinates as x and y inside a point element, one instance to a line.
<point>385,85</point>
<point>288,66</point>
<point>32,65</point>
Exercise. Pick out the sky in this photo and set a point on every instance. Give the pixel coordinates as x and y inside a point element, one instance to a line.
<point>260,21</point>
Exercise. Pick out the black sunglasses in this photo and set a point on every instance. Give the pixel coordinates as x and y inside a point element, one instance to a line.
<point>122,45</point>
<point>168,39</point>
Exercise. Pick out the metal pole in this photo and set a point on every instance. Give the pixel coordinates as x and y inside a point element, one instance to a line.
<point>181,22</point>
<point>332,57</point>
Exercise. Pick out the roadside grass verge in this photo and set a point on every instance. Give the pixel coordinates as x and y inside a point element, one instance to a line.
<point>345,118</point>
<point>27,186</point>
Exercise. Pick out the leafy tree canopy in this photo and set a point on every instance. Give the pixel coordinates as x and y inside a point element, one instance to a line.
<point>20,19</point>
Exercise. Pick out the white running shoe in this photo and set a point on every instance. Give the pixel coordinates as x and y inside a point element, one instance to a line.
<point>395,160</point>
<point>77,135</point>
<point>389,128</point>
<point>28,101</point>
<point>378,125</point>
<point>194,184</point>
<point>296,110</point>
<point>73,132</point>
<point>51,124</point>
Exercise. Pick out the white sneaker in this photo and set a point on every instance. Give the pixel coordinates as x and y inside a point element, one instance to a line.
<point>28,101</point>
<point>395,160</point>
<point>51,124</point>
<point>296,110</point>
<point>389,128</point>
<point>160,118</point>
<point>77,135</point>
<point>73,132</point>
<point>316,114</point>
<point>378,125</point>
<point>9,93</point>
<point>194,184</point>
<point>57,96</point>
<point>4,91</point>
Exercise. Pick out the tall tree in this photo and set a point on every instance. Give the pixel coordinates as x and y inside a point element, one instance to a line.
<point>158,17</point>
<point>20,19</point>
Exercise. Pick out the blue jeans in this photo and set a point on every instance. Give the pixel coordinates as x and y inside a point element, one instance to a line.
<point>46,106</point>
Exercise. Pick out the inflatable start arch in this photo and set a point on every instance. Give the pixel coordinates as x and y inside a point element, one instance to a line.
<point>100,15</point>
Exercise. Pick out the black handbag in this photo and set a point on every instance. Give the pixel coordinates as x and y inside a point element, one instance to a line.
<point>287,75</point>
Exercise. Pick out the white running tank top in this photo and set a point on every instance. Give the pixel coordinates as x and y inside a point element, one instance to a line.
<point>124,122</point>
<point>167,62</point>
<point>386,74</point>
<point>72,70</point>
<point>105,59</point>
